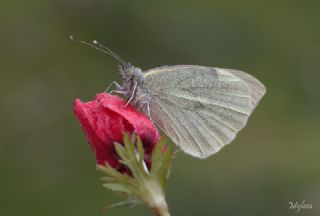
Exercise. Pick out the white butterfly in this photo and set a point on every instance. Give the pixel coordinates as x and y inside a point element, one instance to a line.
<point>200,108</point>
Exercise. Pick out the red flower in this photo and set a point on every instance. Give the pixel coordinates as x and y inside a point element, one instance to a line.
<point>104,120</point>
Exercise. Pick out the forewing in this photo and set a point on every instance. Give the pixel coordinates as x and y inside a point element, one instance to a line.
<point>200,108</point>
<point>257,89</point>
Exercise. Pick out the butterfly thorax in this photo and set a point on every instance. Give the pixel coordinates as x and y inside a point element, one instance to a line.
<point>133,86</point>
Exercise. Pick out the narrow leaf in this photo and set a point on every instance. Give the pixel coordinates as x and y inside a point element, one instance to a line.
<point>129,203</point>
<point>121,151</point>
<point>156,157</point>
<point>164,170</point>
<point>129,146</point>
<point>107,178</point>
<point>117,188</point>
<point>140,149</point>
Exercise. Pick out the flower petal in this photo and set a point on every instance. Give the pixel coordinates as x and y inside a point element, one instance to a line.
<point>141,124</point>
<point>105,119</point>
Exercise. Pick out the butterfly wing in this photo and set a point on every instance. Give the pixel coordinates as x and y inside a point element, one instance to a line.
<point>200,108</point>
<point>257,89</point>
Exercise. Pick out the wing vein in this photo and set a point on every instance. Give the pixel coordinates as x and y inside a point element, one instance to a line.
<point>203,102</point>
<point>181,124</point>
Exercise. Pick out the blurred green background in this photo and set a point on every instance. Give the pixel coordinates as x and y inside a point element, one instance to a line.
<point>46,166</point>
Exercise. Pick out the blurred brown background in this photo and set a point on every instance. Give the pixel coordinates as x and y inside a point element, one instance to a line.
<point>46,166</point>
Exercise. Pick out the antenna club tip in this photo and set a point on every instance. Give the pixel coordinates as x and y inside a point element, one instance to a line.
<point>95,42</point>
<point>71,37</point>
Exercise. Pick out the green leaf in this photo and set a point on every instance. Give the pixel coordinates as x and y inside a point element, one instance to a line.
<point>107,178</point>
<point>129,146</point>
<point>121,151</point>
<point>109,171</point>
<point>117,176</point>
<point>140,186</point>
<point>140,149</point>
<point>118,187</point>
<point>128,203</point>
<point>156,157</point>
<point>164,169</point>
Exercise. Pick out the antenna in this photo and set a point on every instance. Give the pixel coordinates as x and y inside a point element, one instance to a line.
<point>101,48</point>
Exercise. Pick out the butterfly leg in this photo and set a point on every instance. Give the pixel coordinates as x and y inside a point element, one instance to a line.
<point>132,95</point>
<point>113,91</point>
<point>119,92</point>
<point>110,85</point>
<point>148,109</point>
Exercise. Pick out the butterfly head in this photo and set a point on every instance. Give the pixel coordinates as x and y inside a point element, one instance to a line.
<point>128,71</point>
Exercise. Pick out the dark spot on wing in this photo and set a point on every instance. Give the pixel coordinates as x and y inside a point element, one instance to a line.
<point>196,105</point>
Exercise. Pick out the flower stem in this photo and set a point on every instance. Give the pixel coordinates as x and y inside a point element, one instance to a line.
<point>161,209</point>
<point>153,197</point>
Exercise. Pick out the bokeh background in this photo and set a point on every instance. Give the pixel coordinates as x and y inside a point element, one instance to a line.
<point>46,166</point>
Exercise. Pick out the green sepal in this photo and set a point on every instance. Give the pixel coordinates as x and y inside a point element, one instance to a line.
<point>128,203</point>
<point>137,186</point>
<point>165,168</point>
